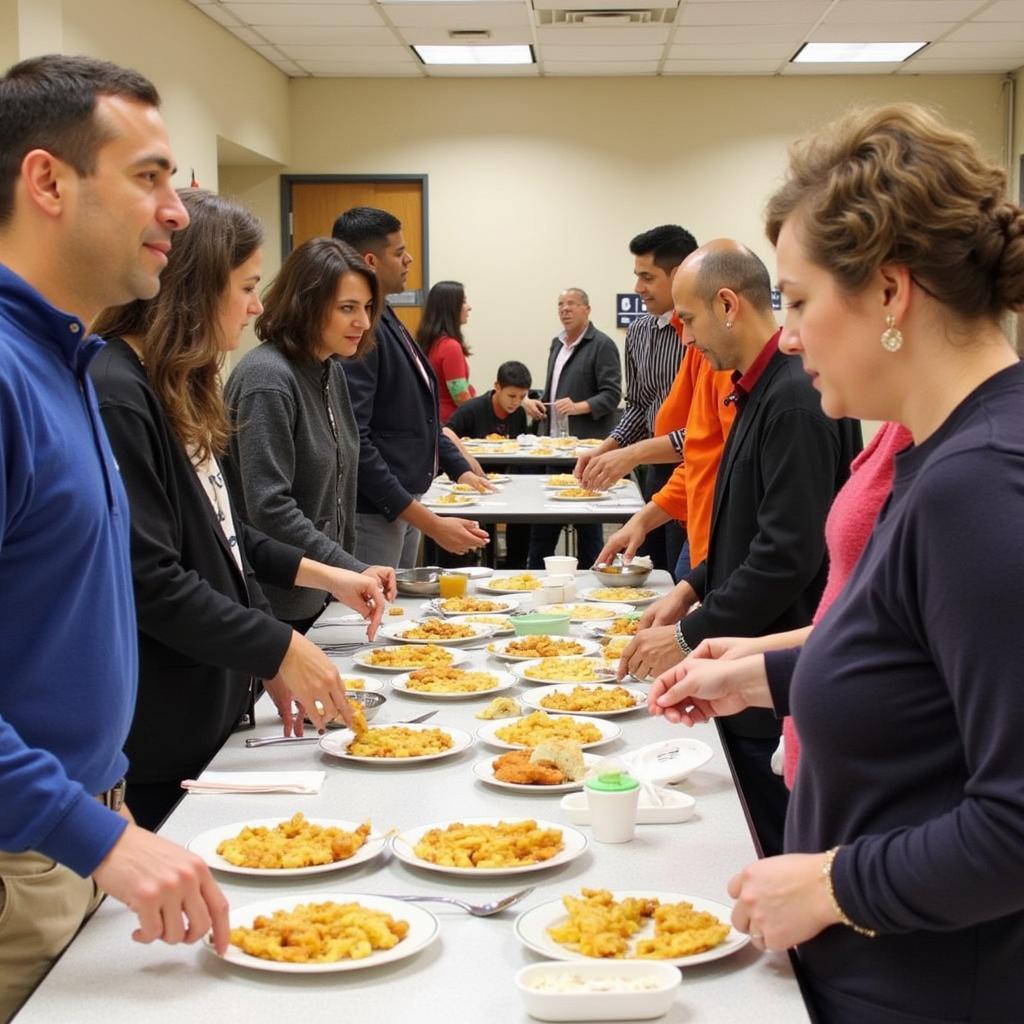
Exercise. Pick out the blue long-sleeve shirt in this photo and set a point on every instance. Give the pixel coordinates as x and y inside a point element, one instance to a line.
<point>68,660</point>
<point>909,702</point>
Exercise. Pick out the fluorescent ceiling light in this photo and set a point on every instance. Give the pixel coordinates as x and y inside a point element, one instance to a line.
<point>474,54</point>
<point>855,53</point>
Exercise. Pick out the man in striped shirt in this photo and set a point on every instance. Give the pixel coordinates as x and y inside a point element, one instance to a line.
<point>653,354</point>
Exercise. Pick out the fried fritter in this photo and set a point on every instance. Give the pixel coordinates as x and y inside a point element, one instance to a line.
<point>516,767</point>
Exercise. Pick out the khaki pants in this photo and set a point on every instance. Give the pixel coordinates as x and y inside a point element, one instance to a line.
<point>42,905</point>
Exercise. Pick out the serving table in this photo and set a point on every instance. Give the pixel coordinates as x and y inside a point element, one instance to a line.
<point>467,974</point>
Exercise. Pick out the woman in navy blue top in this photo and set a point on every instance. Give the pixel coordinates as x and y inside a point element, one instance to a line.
<point>903,883</point>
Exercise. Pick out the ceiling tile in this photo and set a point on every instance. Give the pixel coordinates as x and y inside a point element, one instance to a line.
<point>440,36</point>
<point>343,54</point>
<point>601,53</point>
<point>923,32</point>
<point>219,15</point>
<point>1009,48</point>
<point>840,69</point>
<point>965,66</point>
<point>739,51</point>
<point>588,35</point>
<point>754,12</point>
<point>740,33</point>
<point>1002,10</point>
<point>582,67</point>
<point>891,12</point>
<point>720,67</point>
<point>464,16</point>
<point>370,71</point>
<point>605,5</point>
<point>247,35</point>
<point>329,35</point>
<point>986,31</point>
<point>483,71</point>
<point>304,14</point>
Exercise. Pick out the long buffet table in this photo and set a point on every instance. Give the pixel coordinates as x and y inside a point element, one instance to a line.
<point>467,975</point>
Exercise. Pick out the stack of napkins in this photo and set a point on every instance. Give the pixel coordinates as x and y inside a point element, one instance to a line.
<point>256,782</point>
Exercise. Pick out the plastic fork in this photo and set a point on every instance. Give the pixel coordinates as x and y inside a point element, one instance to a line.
<point>476,909</point>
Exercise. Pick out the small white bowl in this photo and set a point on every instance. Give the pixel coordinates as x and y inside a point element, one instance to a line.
<point>597,1005</point>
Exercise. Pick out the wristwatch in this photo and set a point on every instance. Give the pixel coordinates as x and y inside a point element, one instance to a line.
<point>681,641</point>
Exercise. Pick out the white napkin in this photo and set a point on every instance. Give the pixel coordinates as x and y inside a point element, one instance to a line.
<point>256,782</point>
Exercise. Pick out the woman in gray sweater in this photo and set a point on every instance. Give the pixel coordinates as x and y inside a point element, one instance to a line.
<point>294,451</point>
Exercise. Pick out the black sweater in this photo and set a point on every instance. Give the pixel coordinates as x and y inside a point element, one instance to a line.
<point>204,629</point>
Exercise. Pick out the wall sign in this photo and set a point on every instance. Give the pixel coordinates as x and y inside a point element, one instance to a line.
<point>628,307</point>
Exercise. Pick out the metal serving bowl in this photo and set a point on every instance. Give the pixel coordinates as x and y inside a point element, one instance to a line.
<point>421,582</point>
<point>618,575</point>
<point>372,703</point>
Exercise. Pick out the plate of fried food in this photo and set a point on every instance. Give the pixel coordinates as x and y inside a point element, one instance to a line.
<point>586,699</point>
<point>617,595</point>
<point>491,846</point>
<point>612,648</point>
<point>564,670</point>
<point>560,480</point>
<point>462,488</point>
<point>471,605</point>
<point>539,726</point>
<point>392,745</point>
<point>446,683</point>
<point>406,657</point>
<point>359,683</point>
<point>556,766</point>
<point>272,848</point>
<point>499,478</point>
<point>582,612</point>
<point>501,625</point>
<point>316,933</point>
<point>434,631</point>
<point>622,625</point>
<point>451,500</point>
<point>540,645</point>
<point>518,583</point>
<point>579,494</point>
<point>629,924</point>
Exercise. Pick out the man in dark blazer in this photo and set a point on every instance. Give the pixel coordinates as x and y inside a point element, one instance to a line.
<point>581,394</point>
<point>782,464</point>
<point>394,398</point>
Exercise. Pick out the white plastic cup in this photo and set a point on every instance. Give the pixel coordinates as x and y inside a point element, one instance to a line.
<point>613,799</point>
<point>560,564</point>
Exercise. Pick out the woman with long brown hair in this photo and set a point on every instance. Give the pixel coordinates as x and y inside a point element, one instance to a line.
<point>294,452</point>
<point>440,336</point>
<point>206,634</point>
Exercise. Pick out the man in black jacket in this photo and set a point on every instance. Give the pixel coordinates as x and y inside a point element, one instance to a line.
<point>394,398</point>
<point>581,393</point>
<point>782,464</point>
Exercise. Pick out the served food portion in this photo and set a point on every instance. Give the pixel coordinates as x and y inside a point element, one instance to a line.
<point>450,680</point>
<point>461,605</point>
<point>320,933</point>
<point>519,581</point>
<point>295,843</point>
<point>590,699</point>
<point>499,623</point>
<point>579,494</point>
<point>451,498</point>
<point>503,845</point>
<point>435,629</point>
<point>623,625</point>
<point>538,727</point>
<point>561,480</point>
<point>539,646</point>
<point>614,646</point>
<point>408,656</point>
<point>598,925</point>
<point>565,670</point>
<point>500,707</point>
<point>550,763</point>
<point>397,741</point>
<point>585,612</point>
<point>636,595</point>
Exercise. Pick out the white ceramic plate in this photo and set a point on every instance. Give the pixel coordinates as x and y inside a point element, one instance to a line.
<point>498,648</point>
<point>533,699</point>
<point>505,682</point>
<point>505,629</point>
<point>458,657</point>
<point>498,478</point>
<point>531,928</point>
<point>603,669</point>
<point>495,585</point>
<point>503,606</point>
<point>336,744</point>
<point>588,595</point>
<point>403,846</point>
<point>485,773</point>
<point>205,845</point>
<point>471,491</point>
<point>423,929</point>
<point>562,496</point>
<point>487,732</point>
<point>394,631</point>
<point>370,685</point>
<point>601,628</point>
<point>596,612</point>
<point>465,501</point>
<point>473,572</point>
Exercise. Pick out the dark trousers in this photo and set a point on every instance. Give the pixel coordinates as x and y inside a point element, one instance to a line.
<point>544,540</point>
<point>764,793</point>
<point>151,802</point>
<point>662,544</point>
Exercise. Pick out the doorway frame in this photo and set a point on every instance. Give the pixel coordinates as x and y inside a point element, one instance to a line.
<point>287,180</point>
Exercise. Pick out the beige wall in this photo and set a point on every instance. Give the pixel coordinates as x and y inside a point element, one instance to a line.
<point>538,184</point>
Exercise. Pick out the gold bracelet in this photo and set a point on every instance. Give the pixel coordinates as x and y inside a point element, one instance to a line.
<point>826,873</point>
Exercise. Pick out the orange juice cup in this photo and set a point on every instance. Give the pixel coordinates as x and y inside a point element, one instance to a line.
<point>452,585</point>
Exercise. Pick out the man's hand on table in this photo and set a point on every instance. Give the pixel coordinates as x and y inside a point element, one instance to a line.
<point>608,468</point>
<point>478,481</point>
<point>650,652</point>
<point>627,539</point>
<point>671,608</point>
<point>170,890</point>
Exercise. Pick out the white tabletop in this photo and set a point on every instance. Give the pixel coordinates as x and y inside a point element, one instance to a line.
<point>526,498</point>
<point>467,975</point>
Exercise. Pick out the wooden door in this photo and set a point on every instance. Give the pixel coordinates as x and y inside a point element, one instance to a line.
<point>314,205</point>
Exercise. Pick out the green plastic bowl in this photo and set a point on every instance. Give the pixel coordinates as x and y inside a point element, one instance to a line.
<point>534,623</point>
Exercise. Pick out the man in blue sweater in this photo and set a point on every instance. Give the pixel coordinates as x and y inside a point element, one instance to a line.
<point>87,211</point>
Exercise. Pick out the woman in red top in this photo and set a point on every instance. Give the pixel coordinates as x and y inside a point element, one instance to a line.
<point>440,337</point>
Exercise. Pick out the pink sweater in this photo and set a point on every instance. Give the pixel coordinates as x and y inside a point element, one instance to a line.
<point>850,522</point>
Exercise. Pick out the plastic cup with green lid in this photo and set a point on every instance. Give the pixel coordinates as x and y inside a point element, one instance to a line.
<point>613,798</point>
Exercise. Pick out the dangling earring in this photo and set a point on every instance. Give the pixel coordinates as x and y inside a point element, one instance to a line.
<point>892,336</point>
<point>728,324</point>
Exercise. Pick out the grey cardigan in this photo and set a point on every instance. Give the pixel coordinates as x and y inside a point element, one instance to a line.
<point>593,374</point>
<point>286,474</point>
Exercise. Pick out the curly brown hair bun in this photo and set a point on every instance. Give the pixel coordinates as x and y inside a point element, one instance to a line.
<point>896,185</point>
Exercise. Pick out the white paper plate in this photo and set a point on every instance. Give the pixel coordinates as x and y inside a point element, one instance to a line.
<point>498,630</point>
<point>494,584</point>
<point>394,631</point>
<point>588,595</point>
<point>205,846</point>
<point>531,928</point>
<point>472,492</point>
<point>560,496</point>
<point>474,572</point>
<point>485,773</point>
<point>505,682</point>
<point>668,761</point>
<point>533,698</point>
<point>465,501</point>
<point>370,685</point>
<point>458,657</point>
<point>505,606</point>
<point>423,930</point>
<point>605,671</point>
<point>497,649</point>
<point>601,628</point>
<point>336,744</point>
<point>499,478</point>
<point>603,611</point>
<point>609,731</point>
<point>402,846</point>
